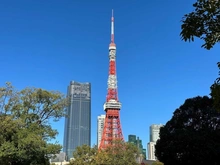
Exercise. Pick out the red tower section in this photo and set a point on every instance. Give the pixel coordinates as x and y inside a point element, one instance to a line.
<point>112,127</point>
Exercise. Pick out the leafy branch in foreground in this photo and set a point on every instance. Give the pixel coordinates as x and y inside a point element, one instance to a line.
<point>203,22</point>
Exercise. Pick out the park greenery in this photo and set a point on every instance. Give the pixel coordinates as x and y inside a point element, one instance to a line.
<point>192,136</point>
<point>215,92</point>
<point>203,22</point>
<point>119,153</point>
<point>25,132</point>
<point>156,163</point>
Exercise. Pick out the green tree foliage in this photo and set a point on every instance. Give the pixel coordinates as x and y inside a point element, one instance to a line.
<point>25,129</point>
<point>157,163</point>
<point>215,91</point>
<point>192,136</point>
<point>120,153</point>
<point>84,155</point>
<point>203,22</point>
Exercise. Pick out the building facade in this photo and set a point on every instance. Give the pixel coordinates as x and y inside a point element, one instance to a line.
<point>100,126</point>
<point>77,129</point>
<point>137,142</point>
<point>154,136</point>
<point>155,132</point>
<point>151,150</point>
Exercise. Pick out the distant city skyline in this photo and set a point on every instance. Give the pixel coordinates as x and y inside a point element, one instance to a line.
<point>46,44</point>
<point>77,131</point>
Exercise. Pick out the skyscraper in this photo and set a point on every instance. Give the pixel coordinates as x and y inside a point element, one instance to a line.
<point>154,136</point>
<point>132,139</point>
<point>100,126</point>
<point>154,132</point>
<point>137,142</point>
<point>151,150</point>
<point>78,121</point>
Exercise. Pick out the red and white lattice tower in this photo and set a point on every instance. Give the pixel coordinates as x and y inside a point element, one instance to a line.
<point>112,127</point>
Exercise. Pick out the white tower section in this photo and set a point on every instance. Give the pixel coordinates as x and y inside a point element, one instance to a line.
<point>112,102</point>
<point>112,78</point>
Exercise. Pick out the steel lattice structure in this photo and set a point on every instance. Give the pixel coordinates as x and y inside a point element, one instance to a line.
<point>112,127</point>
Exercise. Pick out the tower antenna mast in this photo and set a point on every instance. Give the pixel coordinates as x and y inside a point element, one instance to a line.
<point>112,27</point>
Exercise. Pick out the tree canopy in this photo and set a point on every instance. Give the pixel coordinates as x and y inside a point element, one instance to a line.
<point>215,92</point>
<point>25,129</point>
<point>120,153</point>
<point>84,155</point>
<point>157,163</point>
<point>192,136</point>
<point>203,22</point>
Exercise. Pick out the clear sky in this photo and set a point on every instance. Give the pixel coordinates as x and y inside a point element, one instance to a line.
<point>48,43</point>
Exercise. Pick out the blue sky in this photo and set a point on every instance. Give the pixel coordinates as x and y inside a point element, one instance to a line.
<point>47,44</point>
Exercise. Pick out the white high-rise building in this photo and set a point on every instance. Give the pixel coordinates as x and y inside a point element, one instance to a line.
<point>151,150</point>
<point>154,136</point>
<point>100,123</point>
<point>155,132</point>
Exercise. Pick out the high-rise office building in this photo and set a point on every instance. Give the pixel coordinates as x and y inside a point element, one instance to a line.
<point>132,139</point>
<point>154,136</point>
<point>154,132</point>
<point>151,150</point>
<point>78,121</point>
<point>137,142</point>
<point>100,124</point>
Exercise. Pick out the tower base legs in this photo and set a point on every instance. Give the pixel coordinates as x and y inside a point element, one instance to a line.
<point>112,129</point>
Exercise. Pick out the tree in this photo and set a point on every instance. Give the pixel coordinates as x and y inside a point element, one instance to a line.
<point>157,163</point>
<point>84,155</point>
<point>120,153</point>
<point>26,131</point>
<point>192,136</point>
<point>215,92</point>
<point>203,22</point>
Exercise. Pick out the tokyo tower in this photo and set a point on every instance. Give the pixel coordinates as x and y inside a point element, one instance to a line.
<point>112,127</point>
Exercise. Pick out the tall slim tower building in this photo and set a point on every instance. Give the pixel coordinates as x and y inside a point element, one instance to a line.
<point>154,136</point>
<point>78,121</point>
<point>112,127</point>
<point>155,132</point>
<point>100,124</point>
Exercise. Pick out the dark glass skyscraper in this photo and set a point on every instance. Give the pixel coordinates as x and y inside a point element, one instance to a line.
<point>78,121</point>
<point>137,142</point>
